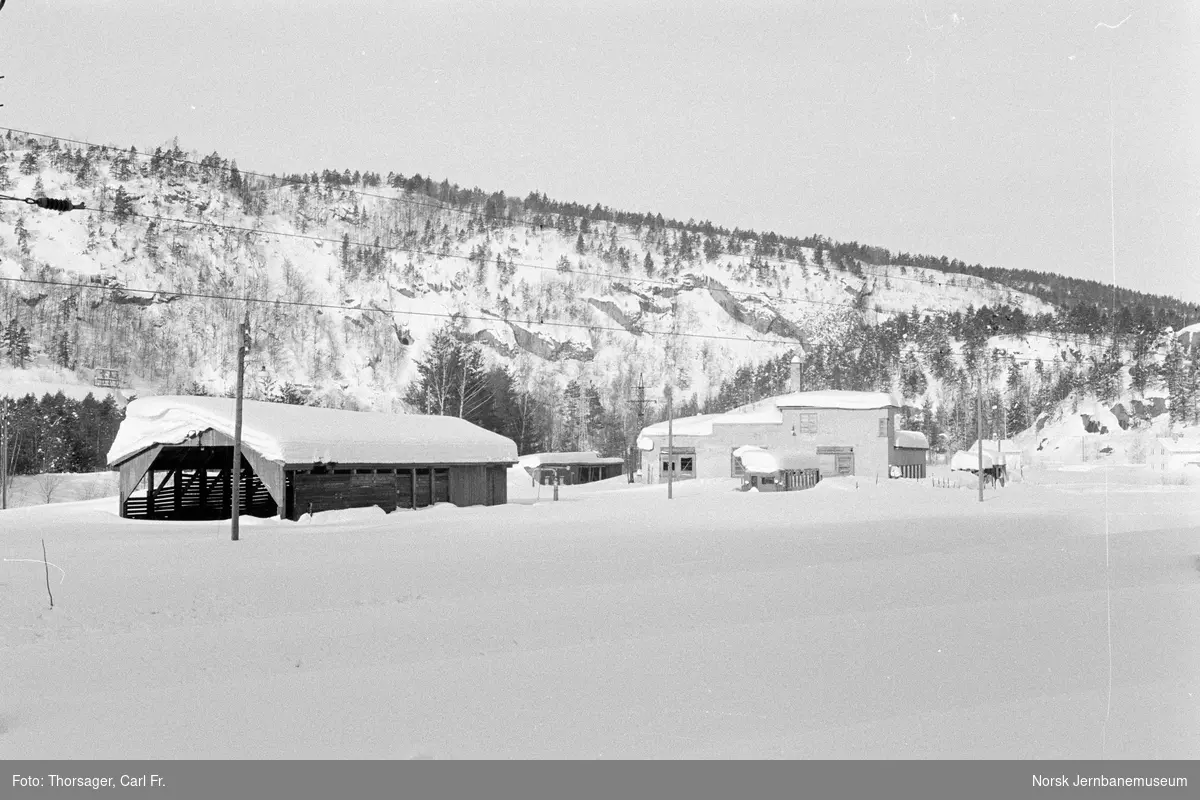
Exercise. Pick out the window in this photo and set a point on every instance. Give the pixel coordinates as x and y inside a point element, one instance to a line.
<point>686,464</point>
<point>808,422</point>
<point>883,426</point>
<point>666,466</point>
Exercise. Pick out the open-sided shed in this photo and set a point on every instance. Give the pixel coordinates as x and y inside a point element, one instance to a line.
<point>175,457</point>
<point>571,468</point>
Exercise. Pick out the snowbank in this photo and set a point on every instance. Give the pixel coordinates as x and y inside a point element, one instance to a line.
<point>292,434</point>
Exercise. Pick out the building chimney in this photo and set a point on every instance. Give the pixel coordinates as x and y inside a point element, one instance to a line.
<point>795,376</point>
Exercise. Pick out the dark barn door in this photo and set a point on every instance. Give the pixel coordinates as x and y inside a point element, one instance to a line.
<point>424,488</point>
<point>404,489</point>
<point>441,486</point>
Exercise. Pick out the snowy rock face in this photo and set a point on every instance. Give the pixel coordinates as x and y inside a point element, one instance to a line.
<point>363,275</point>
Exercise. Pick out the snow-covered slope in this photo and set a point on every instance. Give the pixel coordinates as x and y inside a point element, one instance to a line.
<point>358,279</point>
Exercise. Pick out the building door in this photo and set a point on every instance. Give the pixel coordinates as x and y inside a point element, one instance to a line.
<point>844,463</point>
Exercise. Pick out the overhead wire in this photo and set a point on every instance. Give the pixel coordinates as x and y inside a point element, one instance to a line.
<point>403,312</point>
<point>285,181</point>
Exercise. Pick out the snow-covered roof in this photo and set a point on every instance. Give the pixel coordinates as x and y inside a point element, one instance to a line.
<point>963,460</point>
<point>913,439</point>
<point>291,434</point>
<point>1181,445</point>
<point>699,425</point>
<point>760,461</point>
<point>996,446</point>
<point>588,458</point>
<point>832,398</point>
<point>767,412</point>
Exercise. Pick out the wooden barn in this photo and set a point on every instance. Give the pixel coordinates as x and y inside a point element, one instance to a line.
<point>910,455</point>
<point>571,468</point>
<point>175,458</point>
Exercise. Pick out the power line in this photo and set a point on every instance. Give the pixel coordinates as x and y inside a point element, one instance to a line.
<point>450,316</point>
<point>284,181</point>
<point>609,277</point>
<point>606,276</point>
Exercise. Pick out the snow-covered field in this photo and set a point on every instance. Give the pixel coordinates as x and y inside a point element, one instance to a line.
<point>891,620</point>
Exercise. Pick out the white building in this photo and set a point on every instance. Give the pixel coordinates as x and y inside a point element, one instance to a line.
<point>848,433</point>
<point>1168,455</point>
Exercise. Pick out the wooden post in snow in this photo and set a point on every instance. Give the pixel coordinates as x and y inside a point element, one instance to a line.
<point>236,487</point>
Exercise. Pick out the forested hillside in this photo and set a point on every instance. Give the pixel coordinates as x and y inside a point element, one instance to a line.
<point>537,318</point>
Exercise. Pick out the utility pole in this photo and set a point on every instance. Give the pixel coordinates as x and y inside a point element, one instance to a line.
<point>243,346</point>
<point>670,445</point>
<point>979,427</point>
<point>635,460</point>
<point>3,453</point>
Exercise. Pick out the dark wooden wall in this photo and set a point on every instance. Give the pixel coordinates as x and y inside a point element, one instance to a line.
<point>396,487</point>
<point>902,456</point>
<point>326,492</point>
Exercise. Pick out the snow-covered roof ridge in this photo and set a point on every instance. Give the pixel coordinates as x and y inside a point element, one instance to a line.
<point>582,457</point>
<point>291,434</point>
<point>837,398</point>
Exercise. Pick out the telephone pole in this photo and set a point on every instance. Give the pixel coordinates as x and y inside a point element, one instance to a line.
<point>670,444</point>
<point>635,454</point>
<point>243,346</point>
<point>3,450</point>
<point>979,427</point>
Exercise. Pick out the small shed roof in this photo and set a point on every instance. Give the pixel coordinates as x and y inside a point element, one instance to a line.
<point>290,434</point>
<point>912,439</point>
<point>760,461</point>
<point>564,459</point>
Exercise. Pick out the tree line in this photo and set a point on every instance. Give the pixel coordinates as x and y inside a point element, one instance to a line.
<point>58,433</point>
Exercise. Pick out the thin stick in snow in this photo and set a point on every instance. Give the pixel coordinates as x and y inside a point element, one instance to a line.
<point>46,564</point>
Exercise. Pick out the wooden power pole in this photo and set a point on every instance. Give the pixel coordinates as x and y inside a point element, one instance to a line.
<point>979,428</point>
<point>635,453</point>
<point>670,445</point>
<point>3,452</point>
<point>243,346</point>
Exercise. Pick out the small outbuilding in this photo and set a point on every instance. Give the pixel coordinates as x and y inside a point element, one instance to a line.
<point>175,457</point>
<point>766,471</point>
<point>571,468</point>
<point>910,455</point>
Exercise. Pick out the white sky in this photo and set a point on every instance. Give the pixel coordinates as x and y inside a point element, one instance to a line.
<point>972,130</point>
